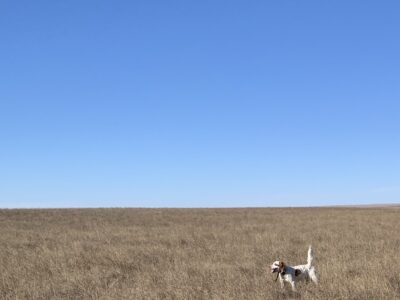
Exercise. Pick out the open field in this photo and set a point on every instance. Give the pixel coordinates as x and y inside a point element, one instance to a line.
<point>197,253</point>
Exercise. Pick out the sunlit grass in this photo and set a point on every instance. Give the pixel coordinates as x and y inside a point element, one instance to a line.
<point>196,253</point>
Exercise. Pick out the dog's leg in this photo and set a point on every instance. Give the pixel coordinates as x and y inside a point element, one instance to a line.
<point>282,282</point>
<point>293,283</point>
<point>313,275</point>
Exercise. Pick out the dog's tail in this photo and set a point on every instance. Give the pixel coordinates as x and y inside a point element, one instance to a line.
<point>310,257</point>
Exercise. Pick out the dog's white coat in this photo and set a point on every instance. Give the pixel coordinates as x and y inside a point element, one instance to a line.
<point>288,274</point>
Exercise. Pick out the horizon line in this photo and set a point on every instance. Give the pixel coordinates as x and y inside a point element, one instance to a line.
<point>371,205</point>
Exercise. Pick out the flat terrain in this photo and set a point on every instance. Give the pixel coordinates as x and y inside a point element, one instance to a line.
<point>197,253</point>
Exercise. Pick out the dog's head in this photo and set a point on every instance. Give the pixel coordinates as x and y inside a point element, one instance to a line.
<point>278,266</point>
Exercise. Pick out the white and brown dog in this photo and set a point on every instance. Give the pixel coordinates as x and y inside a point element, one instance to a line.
<point>296,273</point>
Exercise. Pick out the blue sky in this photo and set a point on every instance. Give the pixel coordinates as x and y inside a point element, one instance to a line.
<point>199,103</point>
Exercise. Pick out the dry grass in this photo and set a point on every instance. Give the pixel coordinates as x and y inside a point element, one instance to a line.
<point>196,253</point>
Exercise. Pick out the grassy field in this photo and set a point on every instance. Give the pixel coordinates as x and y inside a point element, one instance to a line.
<point>197,253</point>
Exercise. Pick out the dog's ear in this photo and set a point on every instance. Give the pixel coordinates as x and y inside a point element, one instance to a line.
<point>282,266</point>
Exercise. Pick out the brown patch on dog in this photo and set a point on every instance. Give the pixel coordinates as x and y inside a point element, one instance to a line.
<point>282,267</point>
<point>297,272</point>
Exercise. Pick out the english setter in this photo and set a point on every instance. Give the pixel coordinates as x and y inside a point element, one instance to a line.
<point>295,273</point>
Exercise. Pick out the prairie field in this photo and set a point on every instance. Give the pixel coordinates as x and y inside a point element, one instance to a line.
<point>124,253</point>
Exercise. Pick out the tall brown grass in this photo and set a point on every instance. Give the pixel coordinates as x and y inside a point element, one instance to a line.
<point>197,253</point>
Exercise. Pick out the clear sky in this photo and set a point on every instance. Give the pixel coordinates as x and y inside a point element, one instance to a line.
<point>199,103</point>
